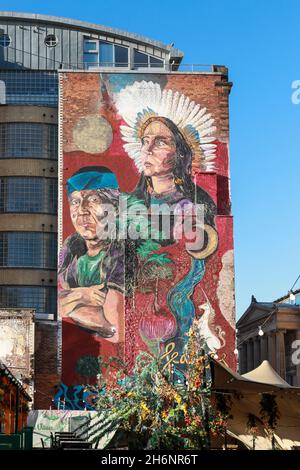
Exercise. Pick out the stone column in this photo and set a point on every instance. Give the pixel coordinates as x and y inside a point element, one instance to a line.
<point>256,352</point>
<point>271,349</point>
<point>263,348</point>
<point>245,360</point>
<point>242,359</point>
<point>249,355</point>
<point>280,354</point>
<point>297,357</point>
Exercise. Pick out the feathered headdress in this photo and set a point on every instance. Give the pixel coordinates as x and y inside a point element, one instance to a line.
<point>138,102</point>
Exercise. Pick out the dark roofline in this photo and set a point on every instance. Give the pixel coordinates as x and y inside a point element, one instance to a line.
<point>118,33</point>
<point>285,296</point>
<point>267,307</point>
<point>14,380</point>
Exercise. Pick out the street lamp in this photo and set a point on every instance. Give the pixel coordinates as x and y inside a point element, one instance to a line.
<point>260,331</point>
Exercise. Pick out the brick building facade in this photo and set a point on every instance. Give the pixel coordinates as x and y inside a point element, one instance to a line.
<point>89,97</point>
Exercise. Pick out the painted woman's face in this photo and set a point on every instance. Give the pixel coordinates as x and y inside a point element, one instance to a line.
<point>158,150</point>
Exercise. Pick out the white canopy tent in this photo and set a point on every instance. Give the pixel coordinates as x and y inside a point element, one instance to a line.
<point>246,393</point>
<point>267,375</point>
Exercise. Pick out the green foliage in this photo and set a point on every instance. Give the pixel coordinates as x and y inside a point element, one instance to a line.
<point>147,247</point>
<point>88,366</point>
<point>158,413</point>
<point>269,411</point>
<point>223,405</point>
<point>159,258</point>
<point>252,424</point>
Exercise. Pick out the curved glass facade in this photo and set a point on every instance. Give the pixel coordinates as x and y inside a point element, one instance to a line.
<point>28,140</point>
<point>28,195</point>
<point>30,87</point>
<point>42,299</point>
<point>28,250</point>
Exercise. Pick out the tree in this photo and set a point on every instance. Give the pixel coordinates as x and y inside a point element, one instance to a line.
<point>88,366</point>
<point>154,412</point>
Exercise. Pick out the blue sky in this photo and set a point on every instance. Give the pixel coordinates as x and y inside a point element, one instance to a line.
<point>259,42</point>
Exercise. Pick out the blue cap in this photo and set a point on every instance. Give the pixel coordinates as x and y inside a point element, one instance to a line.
<point>92,180</point>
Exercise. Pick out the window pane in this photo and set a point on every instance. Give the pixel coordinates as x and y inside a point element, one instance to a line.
<point>28,250</point>
<point>23,249</point>
<point>90,46</point>
<point>50,251</point>
<point>28,140</point>
<point>4,40</point>
<point>90,58</point>
<point>30,87</point>
<point>121,56</point>
<point>30,194</point>
<point>140,59</point>
<point>51,144</point>
<point>106,54</point>
<point>154,62</point>
<point>43,299</point>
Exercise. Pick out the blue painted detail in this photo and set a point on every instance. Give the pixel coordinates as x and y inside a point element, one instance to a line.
<point>120,81</point>
<point>179,297</point>
<point>183,309</point>
<point>91,180</point>
<point>74,397</point>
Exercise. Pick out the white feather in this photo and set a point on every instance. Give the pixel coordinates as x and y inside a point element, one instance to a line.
<point>197,116</point>
<point>209,157</point>
<point>185,109</point>
<point>206,140</point>
<point>176,98</point>
<point>205,125</point>
<point>144,95</point>
<point>192,113</point>
<point>208,146</point>
<point>208,131</point>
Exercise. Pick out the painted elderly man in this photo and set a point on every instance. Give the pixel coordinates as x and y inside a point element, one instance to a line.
<point>91,264</point>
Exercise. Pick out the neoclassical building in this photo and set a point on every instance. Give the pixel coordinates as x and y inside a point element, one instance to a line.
<point>271,330</point>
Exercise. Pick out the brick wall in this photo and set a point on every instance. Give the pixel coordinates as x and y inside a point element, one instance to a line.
<point>46,364</point>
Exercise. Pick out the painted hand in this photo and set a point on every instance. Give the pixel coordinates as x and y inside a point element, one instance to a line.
<point>71,299</point>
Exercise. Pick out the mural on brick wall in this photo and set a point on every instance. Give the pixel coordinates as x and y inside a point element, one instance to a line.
<point>147,243</point>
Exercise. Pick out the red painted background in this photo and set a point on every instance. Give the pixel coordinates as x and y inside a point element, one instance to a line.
<point>81,97</point>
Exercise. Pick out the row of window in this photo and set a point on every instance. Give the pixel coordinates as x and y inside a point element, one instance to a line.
<point>28,194</point>
<point>104,54</point>
<point>50,40</point>
<point>28,140</point>
<point>30,87</point>
<point>28,250</point>
<point>42,299</point>
<point>101,53</point>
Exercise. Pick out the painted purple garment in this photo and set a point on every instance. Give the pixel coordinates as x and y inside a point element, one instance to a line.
<point>112,268</point>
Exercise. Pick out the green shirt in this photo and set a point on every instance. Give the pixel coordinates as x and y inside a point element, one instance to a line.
<point>89,268</point>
